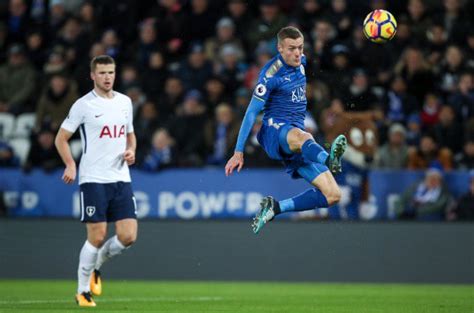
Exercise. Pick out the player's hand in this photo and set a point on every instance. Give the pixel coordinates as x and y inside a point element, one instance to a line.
<point>237,160</point>
<point>129,157</point>
<point>69,174</point>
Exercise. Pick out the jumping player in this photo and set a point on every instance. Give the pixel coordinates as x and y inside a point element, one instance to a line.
<point>105,119</point>
<point>281,94</point>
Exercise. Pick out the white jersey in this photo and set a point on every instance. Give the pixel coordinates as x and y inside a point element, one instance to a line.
<point>104,124</point>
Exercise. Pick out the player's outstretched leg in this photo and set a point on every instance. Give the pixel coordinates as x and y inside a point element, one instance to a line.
<point>268,206</point>
<point>338,147</point>
<point>85,299</point>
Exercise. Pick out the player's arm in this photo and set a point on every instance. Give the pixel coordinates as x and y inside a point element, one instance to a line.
<point>237,160</point>
<point>129,155</point>
<point>62,145</point>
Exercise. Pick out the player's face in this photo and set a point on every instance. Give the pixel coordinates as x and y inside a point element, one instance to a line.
<point>104,76</point>
<point>291,50</point>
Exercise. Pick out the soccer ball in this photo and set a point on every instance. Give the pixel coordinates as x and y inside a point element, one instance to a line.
<point>380,26</point>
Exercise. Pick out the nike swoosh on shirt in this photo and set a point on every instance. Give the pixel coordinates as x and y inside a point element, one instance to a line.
<point>99,115</point>
<point>287,78</point>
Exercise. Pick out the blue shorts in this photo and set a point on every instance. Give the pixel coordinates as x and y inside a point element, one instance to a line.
<point>296,164</point>
<point>107,202</point>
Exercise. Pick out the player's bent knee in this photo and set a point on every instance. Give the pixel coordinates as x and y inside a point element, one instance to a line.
<point>127,239</point>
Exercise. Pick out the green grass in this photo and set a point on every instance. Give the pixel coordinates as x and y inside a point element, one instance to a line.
<point>196,297</point>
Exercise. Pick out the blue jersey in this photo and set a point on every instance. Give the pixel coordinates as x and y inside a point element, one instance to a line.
<point>283,90</point>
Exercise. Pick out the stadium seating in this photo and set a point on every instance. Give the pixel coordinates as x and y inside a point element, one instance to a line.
<point>7,124</point>
<point>24,124</point>
<point>21,147</point>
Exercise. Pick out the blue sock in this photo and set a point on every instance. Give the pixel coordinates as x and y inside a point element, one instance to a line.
<point>308,200</point>
<point>314,152</point>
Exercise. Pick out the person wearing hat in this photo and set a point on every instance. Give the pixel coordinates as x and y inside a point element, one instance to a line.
<point>394,153</point>
<point>17,82</point>
<point>225,34</point>
<point>426,200</point>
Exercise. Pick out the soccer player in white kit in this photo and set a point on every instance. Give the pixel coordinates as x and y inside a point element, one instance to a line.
<point>105,120</point>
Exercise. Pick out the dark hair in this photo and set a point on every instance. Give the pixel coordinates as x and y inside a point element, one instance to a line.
<point>289,32</point>
<point>101,59</point>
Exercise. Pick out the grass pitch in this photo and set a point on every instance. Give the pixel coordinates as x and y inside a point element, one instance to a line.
<point>196,297</point>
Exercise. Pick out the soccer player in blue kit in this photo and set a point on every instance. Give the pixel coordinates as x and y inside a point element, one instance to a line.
<point>281,94</point>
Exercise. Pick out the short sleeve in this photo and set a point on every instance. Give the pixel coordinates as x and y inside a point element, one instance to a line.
<point>74,119</point>
<point>264,87</point>
<point>130,118</point>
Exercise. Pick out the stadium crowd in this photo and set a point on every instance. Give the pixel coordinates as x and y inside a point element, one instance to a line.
<point>189,67</point>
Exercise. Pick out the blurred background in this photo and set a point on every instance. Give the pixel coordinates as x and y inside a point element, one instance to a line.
<point>189,66</point>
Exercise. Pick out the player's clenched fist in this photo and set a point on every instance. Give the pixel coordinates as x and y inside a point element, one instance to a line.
<point>129,157</point>
<point>237,160</point>
<point>69,174</point>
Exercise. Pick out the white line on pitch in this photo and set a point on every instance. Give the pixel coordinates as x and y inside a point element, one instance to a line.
<point>154,299</point>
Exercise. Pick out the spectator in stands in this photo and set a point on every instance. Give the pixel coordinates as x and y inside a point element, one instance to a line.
<point>137,96</point>
<point>57,16</point>
<point>464,160</point>
<point>36,47</point>
<point>73,40</point>
<point>455,20</point>
<point>112,44</point>
<point>155,75</point>
<point>393,154</point>
<point>414,69</point>
<point>428,155</point>
<point>462,100</point>
<point>43,153</point>
<point>129,77</point>
<point>397,102</point>
<point>230,67</point>
<point>56,62</point>
<point>451,68</point>
<point>17,20</point>
<point>200,20</point>
<point>239,13</point>
<point>162,153</point>
<point>7,155</point>
<point>338,76</point>
<point>55,102</point>
<point>170,15</point>
<point>323,36</point>
<point>340,16</point>
<point>215,94</point>
<point>437,38</point>
<point>225,34</point>
<point>308,13</point>
<point>147,120</point>
<point>464,207</point>
<point>196,70</point>
<point>267,25</point>
<point>147,43</point>
<point>430,112</point>
<point>263,54</point>
<point>427,200</point>
<point>187,128</point>
<point>449,134</point>
<point>419,19</point>
<point>413,130</point>
<point>171,97</point>
<point>358,96</point>
<point>221,135</point>
<point>469,48</point>
<point>242,99</point>
<point>17,82</point>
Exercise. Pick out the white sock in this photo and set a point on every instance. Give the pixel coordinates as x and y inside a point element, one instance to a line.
<point>87,260</point>
<point>111,248</point>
